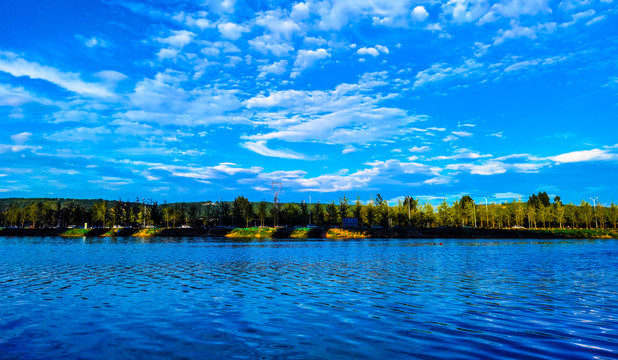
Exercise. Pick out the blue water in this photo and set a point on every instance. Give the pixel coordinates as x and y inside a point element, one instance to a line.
<point>308,299</point>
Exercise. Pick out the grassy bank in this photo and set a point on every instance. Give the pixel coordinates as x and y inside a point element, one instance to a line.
<point>330,233</point>
<point>276,233</point>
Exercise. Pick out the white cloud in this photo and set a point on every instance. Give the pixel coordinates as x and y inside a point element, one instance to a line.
<point>379,173</point>
<point>74,115</point>
<point>221,6</point>
<point>419,13</point>
<point>260,148</point>
<point>4,148</point>
<point>507,195</point>
<point>461,133</point>
<point>179,38</point>
<point>167,54</point>
<point>368,51</point>
<point>94,42</point>
<point>518,31</point>
<point>450,138</point>
<point>349,149</point>
<point>276,68</point>
<point>516,8</point>
<point>306,58</point>
<point>199,173</point>
<point>419,149</point>
<point>300,11</point>
<point>162,100</point>
<point>489,168</point>
<point>231,31</point>
<point>271,44</point>
<point>346,115</point>
<point>193,20</point>
<point>462,11</point>
<point>596,20</point>
<point>16,96</point>
<point>534,62</point>
<point>79,134</point>
<point>111,76</point>
<point>583,155</point>
<point>16,66</point>
<point>336,14</point>
<point>278,23</point>
<point>21,138</point>
<point>438,72</point>
<point>462,154</point>
<point>373,51</point>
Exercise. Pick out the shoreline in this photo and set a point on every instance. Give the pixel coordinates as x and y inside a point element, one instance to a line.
<point>315,232</point>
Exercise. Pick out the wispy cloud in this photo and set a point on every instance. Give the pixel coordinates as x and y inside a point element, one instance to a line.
<point>11,63</point>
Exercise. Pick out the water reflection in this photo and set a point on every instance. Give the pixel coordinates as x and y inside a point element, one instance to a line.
<point>195,297</point>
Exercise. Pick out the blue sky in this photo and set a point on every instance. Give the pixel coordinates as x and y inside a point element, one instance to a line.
<point>189,101</point>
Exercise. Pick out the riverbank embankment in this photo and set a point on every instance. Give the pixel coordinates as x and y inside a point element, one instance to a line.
<point>319,232</point>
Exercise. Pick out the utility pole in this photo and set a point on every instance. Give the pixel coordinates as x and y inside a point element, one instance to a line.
<point>276,188</point>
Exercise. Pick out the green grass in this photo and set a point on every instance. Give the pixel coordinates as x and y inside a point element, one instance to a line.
<point>148,232</point>
<point>254,232</point>
<point>76,232</point>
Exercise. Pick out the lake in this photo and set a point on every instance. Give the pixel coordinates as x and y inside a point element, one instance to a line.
<point>308,299</point>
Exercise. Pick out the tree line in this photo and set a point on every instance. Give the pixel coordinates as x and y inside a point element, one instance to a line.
<point>537,212</point>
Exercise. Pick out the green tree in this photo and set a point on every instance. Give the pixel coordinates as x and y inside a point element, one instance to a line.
<point>241,207</point>
<point>332,213</point>
<point>344,206</point>
<point>368,214</point>
<point>304,213</point>
<point>613,214</point>
<point>586,212</point>
<point>262,211</point>
<point>167,215</point>
<point>318,214</point>
<point>357,211</point>
<point>99,212</point>
<point>33,212</point>
<point>443,213</point>
<point>428,214</point>
<point>411,204</point>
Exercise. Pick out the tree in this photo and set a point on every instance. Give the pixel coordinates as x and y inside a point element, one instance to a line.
<point>318,213</point>
<point>242,208</point>
<point>558,210</point>
<point>357,210</point>
<point>586,212</point>
<point>468,208</point>
<point>411,205</point>
<point>332,213</point>
<point>290,214</point>
<point>262,211</point>
<point>368,214</point>
<point>428,214</point>
<point>304,213</point>
<point>381,213</point>
<point>167,215</point>
<point>443,213</point>
<point>613,214</point>
<point>99,212</point>
<point>344,205</point>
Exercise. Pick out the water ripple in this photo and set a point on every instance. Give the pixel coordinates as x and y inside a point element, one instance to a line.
<point>310,299</point>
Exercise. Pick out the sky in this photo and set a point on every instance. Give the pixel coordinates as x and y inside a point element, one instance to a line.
<point>188,101</point>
